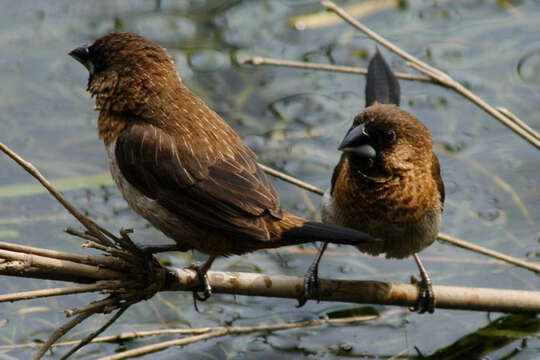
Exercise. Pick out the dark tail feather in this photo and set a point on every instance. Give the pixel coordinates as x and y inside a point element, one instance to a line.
<point>381,86</point>
<point>315,231</point>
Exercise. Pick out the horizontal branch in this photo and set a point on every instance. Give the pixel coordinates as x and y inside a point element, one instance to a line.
<point>363,292</point>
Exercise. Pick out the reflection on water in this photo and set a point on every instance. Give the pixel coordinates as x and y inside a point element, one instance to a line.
<point>294,120</point>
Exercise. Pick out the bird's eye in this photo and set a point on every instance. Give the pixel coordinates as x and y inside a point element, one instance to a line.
<point>390,136</point>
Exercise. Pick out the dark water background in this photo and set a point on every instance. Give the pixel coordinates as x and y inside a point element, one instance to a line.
<point>293,119</point>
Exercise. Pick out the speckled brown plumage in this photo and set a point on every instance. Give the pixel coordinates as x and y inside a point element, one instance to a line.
<point>397,198</point>
<point>178,163</point>
<point>387,182</point>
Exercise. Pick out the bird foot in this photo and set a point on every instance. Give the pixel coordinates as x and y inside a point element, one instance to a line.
<point>204,290</point>
<point>312,287</point>
<point>426,297</point>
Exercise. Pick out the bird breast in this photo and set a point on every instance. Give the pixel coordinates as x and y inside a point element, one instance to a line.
<point>402,239</point>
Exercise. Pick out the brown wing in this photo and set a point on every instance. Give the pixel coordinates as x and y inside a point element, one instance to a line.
<point>218,186</point>
<point>436,173</point>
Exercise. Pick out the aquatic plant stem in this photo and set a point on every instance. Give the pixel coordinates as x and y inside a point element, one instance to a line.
<point>441,77</point>
<point>219,331</point>
<point>32,170</point>
<point>258,61</point>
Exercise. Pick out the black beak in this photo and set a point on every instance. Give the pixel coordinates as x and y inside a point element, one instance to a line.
<point>82,55</point>
<point>357,142</point>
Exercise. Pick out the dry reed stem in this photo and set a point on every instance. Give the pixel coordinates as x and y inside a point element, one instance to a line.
<point>494,254</point>
<point>291,179</point>
<point>61,331</point>
<point>517,120</point>
<point>175,279</point>
<point>107,261</point>
<point>231,330</point>
<point>66,266</point>
<point>361,292</point>
<point>198,331</point>
<point>258,61</point>
<point>441,77</point>
<point>27,295</point>
<point>32,170</point>
<point>93,335</point>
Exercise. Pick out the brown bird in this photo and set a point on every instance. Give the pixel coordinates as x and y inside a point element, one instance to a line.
<point>387,182</point>
<point>179,165</point>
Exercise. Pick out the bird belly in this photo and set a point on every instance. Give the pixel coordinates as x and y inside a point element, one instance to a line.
<point>401,239</point>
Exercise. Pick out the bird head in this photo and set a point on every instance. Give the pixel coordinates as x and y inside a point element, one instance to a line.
<point>125,70</point>
<point>385,140</point>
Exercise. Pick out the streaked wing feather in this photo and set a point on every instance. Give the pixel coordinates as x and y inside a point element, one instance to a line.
<point>436,173</point>
<point>229,193</point>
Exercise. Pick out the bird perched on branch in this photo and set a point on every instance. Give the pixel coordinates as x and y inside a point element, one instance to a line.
<point>387,181</point>
<point>180,165</point>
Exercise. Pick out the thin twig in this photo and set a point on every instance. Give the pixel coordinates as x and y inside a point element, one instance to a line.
<point>58,333</point>
<point>32,170</point>
<point>258,61</point>
<point>233,330</point>
<point>128,244</point>
<point>27,295</point>
<point>517,120</point>
<point>91,337</point>
<point>494,254</point>
<point>144,350</point>
<point>119,337</point>
<point>291,179</point>
<point>198,331</point>
<point>444,237</point>
<point>101,304</point>
<point>441,77</point>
